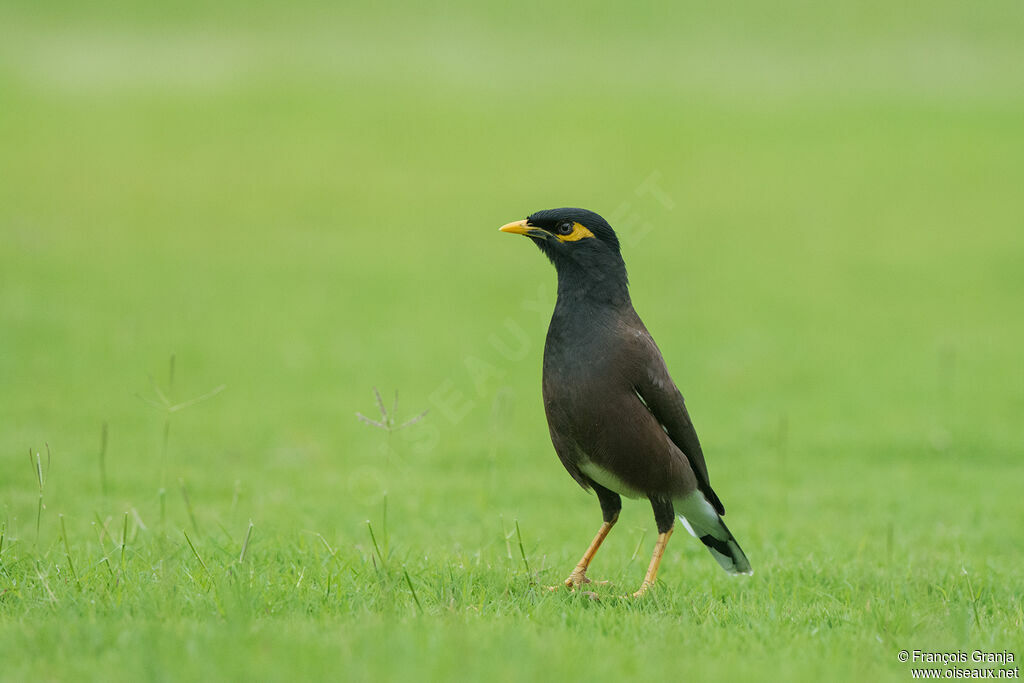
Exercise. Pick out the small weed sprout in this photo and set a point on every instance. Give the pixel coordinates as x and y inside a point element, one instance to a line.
<point>164,404</point>
<point>387,420</point>
<point>389,425</point>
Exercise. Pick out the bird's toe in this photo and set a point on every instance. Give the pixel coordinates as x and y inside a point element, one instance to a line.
<point>642,590</point>
<point>577,578</point>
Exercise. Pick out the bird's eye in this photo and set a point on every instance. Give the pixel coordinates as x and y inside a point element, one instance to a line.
<point>564,228</point>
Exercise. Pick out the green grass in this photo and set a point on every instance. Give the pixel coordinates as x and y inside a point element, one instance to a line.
<point>302,204</point>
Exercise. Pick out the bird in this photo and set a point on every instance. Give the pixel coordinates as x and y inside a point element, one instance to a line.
<point>617,420</point>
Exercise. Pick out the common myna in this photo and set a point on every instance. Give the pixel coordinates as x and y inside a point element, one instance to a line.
<point>616,418</point>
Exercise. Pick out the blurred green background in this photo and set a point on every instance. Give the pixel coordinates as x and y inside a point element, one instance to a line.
<point>821,215</point>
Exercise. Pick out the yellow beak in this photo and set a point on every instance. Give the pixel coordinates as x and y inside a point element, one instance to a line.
<point>517,228</point>
<point>521,228</point>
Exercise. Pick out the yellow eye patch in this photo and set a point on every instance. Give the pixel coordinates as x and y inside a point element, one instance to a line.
<point>578,232</point>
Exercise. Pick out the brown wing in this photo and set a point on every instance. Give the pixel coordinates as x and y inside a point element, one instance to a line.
<point>594,416</point>
<point>661,396</point>
<point>568,453</point>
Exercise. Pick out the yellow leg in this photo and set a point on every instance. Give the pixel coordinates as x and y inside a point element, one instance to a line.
<point>652,570</point>
<point>579,574</point>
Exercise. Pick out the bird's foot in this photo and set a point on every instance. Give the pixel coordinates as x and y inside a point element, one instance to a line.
<point>643,589</point>
<point>577,578</point>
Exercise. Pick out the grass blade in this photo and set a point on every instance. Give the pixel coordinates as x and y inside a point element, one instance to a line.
<point>245,543</point>
<point>124,540</point>
<point>188,505</point>
<point>103,459</point>
<point>67,551</point>
<point>408,581</point>
<point>522,551</point>
<point>375,546</point>
<point>196,553</point>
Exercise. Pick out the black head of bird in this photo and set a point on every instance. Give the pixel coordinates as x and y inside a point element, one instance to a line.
<point>616,419</point>
<point>583,248</point>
